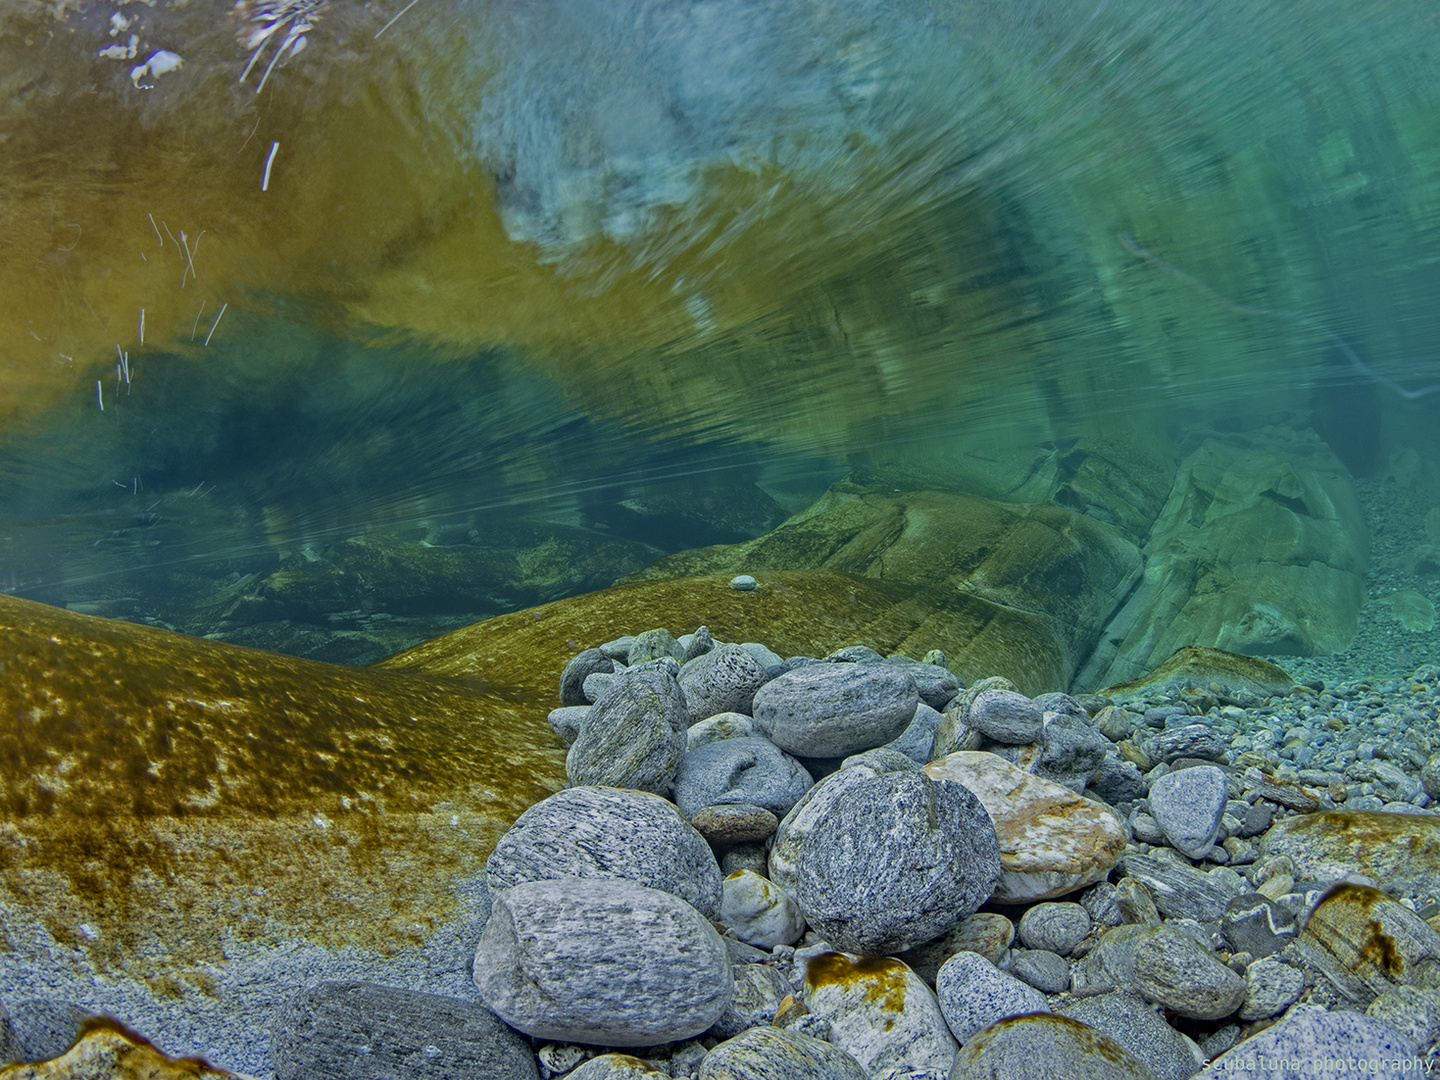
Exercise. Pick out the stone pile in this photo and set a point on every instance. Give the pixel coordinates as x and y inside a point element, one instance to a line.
<point>854,866</point>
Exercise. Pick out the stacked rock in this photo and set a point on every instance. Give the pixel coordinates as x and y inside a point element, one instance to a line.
<point>775,867</point>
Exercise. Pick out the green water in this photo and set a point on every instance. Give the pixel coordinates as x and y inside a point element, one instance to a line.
<point>515,299</point>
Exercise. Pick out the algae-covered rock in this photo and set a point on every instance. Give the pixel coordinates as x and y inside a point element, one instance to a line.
<point>1033,580</point>
<point>1196,668</point>
<point>1400,850</point>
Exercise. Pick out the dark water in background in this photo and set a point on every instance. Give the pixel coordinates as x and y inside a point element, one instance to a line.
<point>658,273</point>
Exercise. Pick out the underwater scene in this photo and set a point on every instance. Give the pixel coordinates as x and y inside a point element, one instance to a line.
<point>718,538</point>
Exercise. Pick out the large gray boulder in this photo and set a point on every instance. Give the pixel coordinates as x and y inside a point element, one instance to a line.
<point>722,680</point>
<point>604,832</point>
<point>604,962</point>
<point>361,1031</point>
<point>769,1053</point>
<point>634,735</point>
<point>753,771</point>
<point>894,861</point>
<point>833,710</point>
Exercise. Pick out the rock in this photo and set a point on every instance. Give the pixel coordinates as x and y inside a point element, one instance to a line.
<point>1102,903</point>
<point>768,1053</point>
<point>759,911</point>
<point>936,684</point>
<point>919,735</point>
<point>722,726</point>
<point>740,823</point>
<point>879,1012</point>
<point>602,833</point>
<point>752,857</point>
<point>581,666</point>
<point>1181,892</point>
<point>986,933</point>
<point>1189,741</point>
<point>1255,924</point>
<point>744,583</point>
<point>759,989</point>
<point>108,1050</point>
<point>1042,1046</point>
<point>1364,942</point>
<point>617,1067</point>
<point>1044,970</point>
<point>1271,987</point>
<point>1198,668</point>
<point>1291,1049</point>
<point>697,644</point>
<point>1133,1022</point>
<point>1402,850</point>
<point>1111,964</point>
<point>43,1029</point>
<point>882,760</point>
<point>653,645</point>
<point>932,860</point>
<point>556,1059</point>
<point>1070,753</point>
<point>831,710</point>
<point>1174,970</point>
<point>1413,1012</point>
<point>1135,902</point>
<point>634,736</point>
<point>1052,841</point>
<point>974,993</point>
<point>1058,927</point>
<point>755,772</point>
<point>1187,805</point>
<point>605,962</point>
<point>722,680</point>
<point>567,722</point>
<point>1005,716</point>
<point>361,1031</point>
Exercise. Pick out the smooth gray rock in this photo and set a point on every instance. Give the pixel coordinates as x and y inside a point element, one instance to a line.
<point>361,1031</point>
<point>1043,1046</point>
<point>916,741</point>
<point>654,645</point>
<point>1111,964</point>
<point>751,771</point>
<point>882,760</point>
<point>1118,780</point>
<point>1070,753</point>
<point>836,709</point>
<point>1181,892</point>
<point>1254,923</point>
<point>896,861</point>
<point>722,680</point>
<point>936,684</point>
<point>1293,1047</point>
<point>634,736</point>
<point>1133,1022</point>
<point>722,726</point>
<point>1006,716</point>
<point>605,962</point>
<point>1188,805</point>
<point>567,721</point>
<point>759,989</point>
<point>1044,970</point>
<point>1058,926</point>
<point>770,1053</point>
<point>602,833</point>
<point>974,993</point>
<point>582,665</point>
<point>1271,987</point>
<point>1174,970</point>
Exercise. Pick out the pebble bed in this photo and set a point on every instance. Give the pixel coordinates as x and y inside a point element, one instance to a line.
<point>1201,932</point>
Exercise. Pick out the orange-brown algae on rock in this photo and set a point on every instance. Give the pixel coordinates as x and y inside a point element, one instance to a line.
<point>107,1050</point>
<point>1366,942</point>
<point>1400,850</point>
<point>169,792</point>
<point>880,978</point>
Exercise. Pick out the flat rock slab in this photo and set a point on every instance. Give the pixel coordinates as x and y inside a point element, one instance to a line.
<point>1401,850</point>
<point>1052,841</point>
<point>602,962</point>
<point>360,1031</point>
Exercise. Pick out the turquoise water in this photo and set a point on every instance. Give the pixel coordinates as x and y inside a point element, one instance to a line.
<point>493,280</point>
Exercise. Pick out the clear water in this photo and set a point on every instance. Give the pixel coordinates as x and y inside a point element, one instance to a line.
<point>459,269</point>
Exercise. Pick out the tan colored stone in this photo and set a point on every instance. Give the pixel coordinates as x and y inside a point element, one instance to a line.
<point>1052,841</point>
<point>1400,850</point>
<point>1365,943</point>
<point>109,1051</point>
